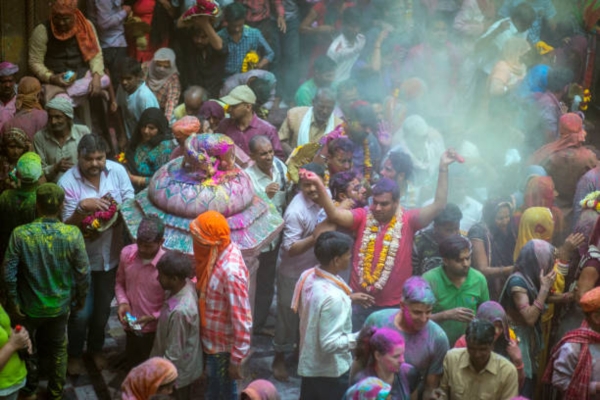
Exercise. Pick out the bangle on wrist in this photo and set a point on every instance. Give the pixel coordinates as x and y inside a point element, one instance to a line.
<point>538,305</point>
<point>443,170</point>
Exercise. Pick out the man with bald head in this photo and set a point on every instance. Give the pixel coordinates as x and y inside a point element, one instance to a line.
<point>308,124</point>
<point>193,98</point>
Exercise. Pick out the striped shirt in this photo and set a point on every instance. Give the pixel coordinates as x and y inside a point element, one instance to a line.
<point>228,314</point>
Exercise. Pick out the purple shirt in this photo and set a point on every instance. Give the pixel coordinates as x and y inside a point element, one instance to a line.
<point>30,121</point>
<point>257,127</point>
<point>108,17</point>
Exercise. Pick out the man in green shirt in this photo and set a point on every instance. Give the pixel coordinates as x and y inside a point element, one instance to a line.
<point>324,74</point>
<point>47,274</point>
<point>458,288</point>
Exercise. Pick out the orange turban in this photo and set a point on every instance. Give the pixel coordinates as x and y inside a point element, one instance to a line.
<point>211,236</point>
<point>144,380</point>
<point>590,301</point>
<point>186,126</point>
<point>82,28</point>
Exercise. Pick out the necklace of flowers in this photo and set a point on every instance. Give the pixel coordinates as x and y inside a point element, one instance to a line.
<point>368,163</point>
<point>373,280</point>
<point>590,202</point>
<point>326,180</point>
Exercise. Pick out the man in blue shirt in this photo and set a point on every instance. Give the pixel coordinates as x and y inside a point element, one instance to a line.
<point>241,39</point>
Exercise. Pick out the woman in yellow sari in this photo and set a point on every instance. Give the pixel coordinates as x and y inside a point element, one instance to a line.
<point>538,223</point>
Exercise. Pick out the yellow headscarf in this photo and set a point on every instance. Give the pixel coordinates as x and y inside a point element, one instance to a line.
<point>536,223</point>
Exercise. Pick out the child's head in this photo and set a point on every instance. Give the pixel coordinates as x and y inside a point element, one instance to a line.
<point>150,236</point>
<point>174,267</point>
<point>131,75</point>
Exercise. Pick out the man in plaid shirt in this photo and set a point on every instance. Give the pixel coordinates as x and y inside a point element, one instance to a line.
<point>225,314</point>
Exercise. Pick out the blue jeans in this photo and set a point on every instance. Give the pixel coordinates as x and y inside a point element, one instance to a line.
<point>220,386</point>
<point>90,322</point>
<point>53,330</point>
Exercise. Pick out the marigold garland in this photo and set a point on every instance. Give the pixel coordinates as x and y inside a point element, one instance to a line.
<point>370,279</point>
<point>250,61</point>
<point>368,163</point>
<point>590,202</point>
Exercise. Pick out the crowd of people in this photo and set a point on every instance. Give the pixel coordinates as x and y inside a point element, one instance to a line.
<point>428,159</point>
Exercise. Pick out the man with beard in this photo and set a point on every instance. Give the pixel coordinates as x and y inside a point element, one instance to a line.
<point>346,190</point>
<point>57,143</point>
<point>380,265</point>
<point>308,124</point>
<point>86,187</point>
<point>8,92</point>
<point>204,64</point>
<point>459,289</point>
<point>426,343</point>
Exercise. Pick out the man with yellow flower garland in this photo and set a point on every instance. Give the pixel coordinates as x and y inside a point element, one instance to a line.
<point>382,250</point>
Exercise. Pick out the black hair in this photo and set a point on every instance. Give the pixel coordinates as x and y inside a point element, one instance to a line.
<point>491,208</point>
<point>523,13</point>
<point>330,245</point>
<point>175,264</point>
<point>131,66</point>
<point>234,12</point>
<point>364,114</point>
<point>452,246</point>
<point>558,78</point>
<point>262,90</point>
<point>315,168</point>
<point>151,229</point>
<point>92,143</point>
<point>386,185</point>
<point>351,16</point>
<point>156,117</point>
<point>339,182</point>
<point>480,332</point>
<point>401,163</point>
<point>49,198</point>
<point>450,213</point>
<point>324,64</point>
<point>256,140</point>
<point>340,144</point>
<point>345,86</point>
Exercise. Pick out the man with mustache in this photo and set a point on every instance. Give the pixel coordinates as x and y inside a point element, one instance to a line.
<point>86,184</point>
<point>57,143</point>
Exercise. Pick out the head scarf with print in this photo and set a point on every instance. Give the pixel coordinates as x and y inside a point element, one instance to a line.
<point>185,127</point>
<point>144,380</point>
<point>157,75</point>
<point>28,94</point>
<point>211,236</point>
<point>82,28</point>
<point>536,223</point>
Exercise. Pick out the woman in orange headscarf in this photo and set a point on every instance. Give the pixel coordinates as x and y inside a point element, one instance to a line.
<point>155,376</point>
<point>211,235</point>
